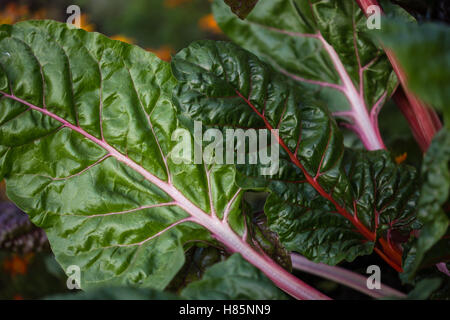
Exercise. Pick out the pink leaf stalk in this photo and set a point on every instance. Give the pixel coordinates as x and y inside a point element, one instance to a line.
<point>389,253</point>
<point>343,276</point>
<point>363,124</point>
<point>422,120</point>
<point>442,267</point>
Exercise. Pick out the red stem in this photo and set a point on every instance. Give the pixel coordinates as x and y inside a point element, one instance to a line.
<point>403,104</point>
<point>423,121</point>
<point>392,257</point>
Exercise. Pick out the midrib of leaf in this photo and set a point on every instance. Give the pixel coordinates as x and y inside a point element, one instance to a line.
<point>220,229</point>
<point>392,257</point>
<point>365,125</point>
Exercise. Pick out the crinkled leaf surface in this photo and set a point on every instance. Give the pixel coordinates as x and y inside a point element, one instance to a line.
<point>85,134</point>
<point>90,149</point>
<point>430,248</point>
<point>225,86</point>
<point>324,46</point>
<point>287,44</point>
<point>233,279</point>
<point>384,196</point>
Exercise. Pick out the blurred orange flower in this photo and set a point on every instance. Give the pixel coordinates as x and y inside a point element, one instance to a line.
<point>175,3</point>
<point>13,13</point>
<point>163,52</point>
<point>84,23</point>
<point>123,38</point>
<point>17,264</point>
<point>40,14</point>
<point>401,158</point>
<point>2,190</point>
<point>208,23</point>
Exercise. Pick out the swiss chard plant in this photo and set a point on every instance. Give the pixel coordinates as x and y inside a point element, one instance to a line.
<point>87,149</point>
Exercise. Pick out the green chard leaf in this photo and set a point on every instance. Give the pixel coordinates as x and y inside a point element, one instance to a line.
<point>424,55</point>
<point>323,46</point>
<point>433,243</point>
<point>322,206</point>
<point>423,290</point>
<point>86,136</point>
<point>233,279</point>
